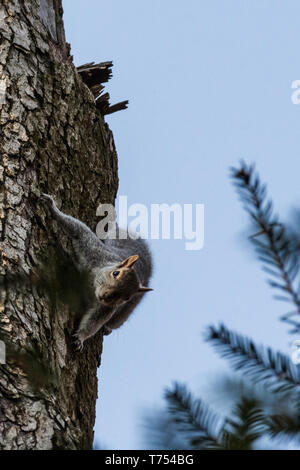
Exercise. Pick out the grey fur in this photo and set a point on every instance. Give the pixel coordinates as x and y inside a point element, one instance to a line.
<point>102,257</point>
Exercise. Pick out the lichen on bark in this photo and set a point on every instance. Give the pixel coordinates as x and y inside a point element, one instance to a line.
<point>54,140</point>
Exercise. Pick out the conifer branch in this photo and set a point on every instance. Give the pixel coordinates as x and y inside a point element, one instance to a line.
<point>260,364</point>
<point>284,425</point>
<point>276,249</point>
<point>246,425</point>
<point>202,428</point>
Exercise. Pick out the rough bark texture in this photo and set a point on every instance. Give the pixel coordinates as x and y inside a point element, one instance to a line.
<point>53,140</point>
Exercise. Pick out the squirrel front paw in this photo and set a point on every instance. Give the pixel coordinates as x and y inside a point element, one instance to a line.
<point>48,199</point>
<point>77,342</point>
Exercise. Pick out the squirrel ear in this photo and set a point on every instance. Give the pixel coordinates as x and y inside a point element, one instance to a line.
<point>144,289</point>
<point>129,262</point>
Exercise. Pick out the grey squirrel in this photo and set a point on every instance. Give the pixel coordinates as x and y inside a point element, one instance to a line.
<point>120,268</point>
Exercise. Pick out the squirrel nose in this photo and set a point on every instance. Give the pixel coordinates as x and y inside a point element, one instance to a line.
<point>100,295</point>
<point>103,296</point>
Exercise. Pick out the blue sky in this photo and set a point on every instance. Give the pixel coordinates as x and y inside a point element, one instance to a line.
<point>209,83</point>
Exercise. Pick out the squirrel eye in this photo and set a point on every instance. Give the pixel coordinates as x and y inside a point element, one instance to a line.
<point>116,273</point>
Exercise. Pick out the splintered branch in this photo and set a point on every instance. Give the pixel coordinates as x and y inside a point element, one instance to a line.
<point>275,248</point>
<point>93,76</point>
<point>117,107</point>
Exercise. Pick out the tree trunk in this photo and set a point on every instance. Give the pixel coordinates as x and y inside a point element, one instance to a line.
<point>53,140</point>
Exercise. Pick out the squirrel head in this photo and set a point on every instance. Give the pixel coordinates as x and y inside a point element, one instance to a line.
<point>119,283</point>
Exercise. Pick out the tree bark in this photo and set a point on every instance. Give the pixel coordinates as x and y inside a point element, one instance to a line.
<point>53,140</point>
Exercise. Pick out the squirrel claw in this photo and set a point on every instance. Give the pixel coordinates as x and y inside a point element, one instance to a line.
<point>47,198</point>
<point>78,344</point>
